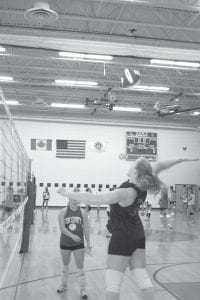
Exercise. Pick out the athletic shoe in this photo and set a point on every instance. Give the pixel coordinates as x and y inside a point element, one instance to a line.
<point>83,294</point>
<point>62,288</point>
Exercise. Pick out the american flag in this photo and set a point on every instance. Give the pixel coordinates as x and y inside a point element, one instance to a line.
<point>70,148</point>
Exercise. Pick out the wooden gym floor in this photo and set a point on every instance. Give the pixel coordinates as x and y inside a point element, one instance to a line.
<point>173,260</point>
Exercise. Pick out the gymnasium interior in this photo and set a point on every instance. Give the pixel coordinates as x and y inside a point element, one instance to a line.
<point>86,88</point>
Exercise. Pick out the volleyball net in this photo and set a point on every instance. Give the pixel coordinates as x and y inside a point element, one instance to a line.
<point>17,188</point>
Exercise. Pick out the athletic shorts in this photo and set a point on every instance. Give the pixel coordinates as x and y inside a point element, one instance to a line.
<point>72,248</point>
<point>124,245</point>
<point>7,209</point>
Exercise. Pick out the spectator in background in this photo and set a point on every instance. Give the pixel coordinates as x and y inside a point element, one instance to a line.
<point>8,204</point>
<point>88,207</point>
<point>148,205</point>
<point>191,206</point>
<point>185,202</point>
<point>98,206</point>
<point>46,197</point>
<point>164,205</point>
<point>172,203</point>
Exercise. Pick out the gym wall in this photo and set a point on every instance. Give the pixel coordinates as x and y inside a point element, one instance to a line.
<point>102,168</point>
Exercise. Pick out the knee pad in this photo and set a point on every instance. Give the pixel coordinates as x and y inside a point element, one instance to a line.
<point>141,278</point>
<point>113,280</point>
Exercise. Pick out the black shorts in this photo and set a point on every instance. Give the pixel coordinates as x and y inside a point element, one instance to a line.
<point>7,209</point>
<point>124,245</point>
<point>72,248</point>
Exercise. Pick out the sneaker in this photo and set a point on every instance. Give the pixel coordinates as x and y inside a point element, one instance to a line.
<point>83,294</point>
<point>62,288</point>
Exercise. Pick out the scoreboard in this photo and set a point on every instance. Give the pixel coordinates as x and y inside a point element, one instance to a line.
<point>141,144</point>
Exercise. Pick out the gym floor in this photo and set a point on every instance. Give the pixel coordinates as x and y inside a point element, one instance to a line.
<point>173,260</point>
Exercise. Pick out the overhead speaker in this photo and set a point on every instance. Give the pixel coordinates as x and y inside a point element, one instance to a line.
<point>130,78</point>
<point>40,13</point>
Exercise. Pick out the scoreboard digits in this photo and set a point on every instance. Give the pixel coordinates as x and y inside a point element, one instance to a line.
<point>141,144</point>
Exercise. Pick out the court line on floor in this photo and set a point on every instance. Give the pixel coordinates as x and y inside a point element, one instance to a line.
<point>9,262</point>
<point>165,267</point>
<point>103,269</point>
<point>44,278</point>
<point>19,274</point>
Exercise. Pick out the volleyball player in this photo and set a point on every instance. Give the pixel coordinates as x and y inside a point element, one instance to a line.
<point>74,226</point>
<point>127,243</point>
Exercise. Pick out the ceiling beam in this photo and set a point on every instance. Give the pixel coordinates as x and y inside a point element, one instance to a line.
<point>37,39</point>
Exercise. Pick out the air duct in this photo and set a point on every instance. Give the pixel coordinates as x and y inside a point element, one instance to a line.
<point>40,13</point>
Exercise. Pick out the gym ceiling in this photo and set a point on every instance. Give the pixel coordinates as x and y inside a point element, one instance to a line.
<point>130,32</point>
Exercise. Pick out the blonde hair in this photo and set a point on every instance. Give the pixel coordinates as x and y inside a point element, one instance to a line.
<point>146,180</point>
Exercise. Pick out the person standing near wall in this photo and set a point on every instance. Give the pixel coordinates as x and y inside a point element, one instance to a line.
<point>8,204</point>
<point>185,202</point>
<point>127,243</point>
<point>88,207</point>
<point>164,205</point>
<point>46,197</point>
<point>172,203</point>
<point>74,227</point>
<point>191,206</point>
<point>148,205</point>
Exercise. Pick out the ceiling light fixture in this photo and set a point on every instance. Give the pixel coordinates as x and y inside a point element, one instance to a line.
<point>150,88</point>
<point>65,105</point>
<point>12,102</point>
<point>196,113</point>
<point>175,63</point>
<point>75,82</point>
<point>84,56</point>
<point>122,108</point>
<point>2,49</point>
<point>6,78</point>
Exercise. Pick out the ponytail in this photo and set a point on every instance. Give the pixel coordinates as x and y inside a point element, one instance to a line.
<point>150,183</point>
<point>146,180</point>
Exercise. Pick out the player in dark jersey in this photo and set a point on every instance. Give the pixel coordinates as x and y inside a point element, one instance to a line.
<point>127,244</point>
<point>74,226</point>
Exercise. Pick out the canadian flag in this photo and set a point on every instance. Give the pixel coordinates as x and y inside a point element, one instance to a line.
<point>97,146</point>
<point>41,144</point>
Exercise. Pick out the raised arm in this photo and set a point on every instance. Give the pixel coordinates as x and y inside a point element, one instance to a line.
<point>164,165</point>
<point>111,197</point>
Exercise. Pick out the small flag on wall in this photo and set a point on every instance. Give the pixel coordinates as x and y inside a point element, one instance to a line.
<point>44,145</point>
<point>70,148</point>
<point>97,146</point>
